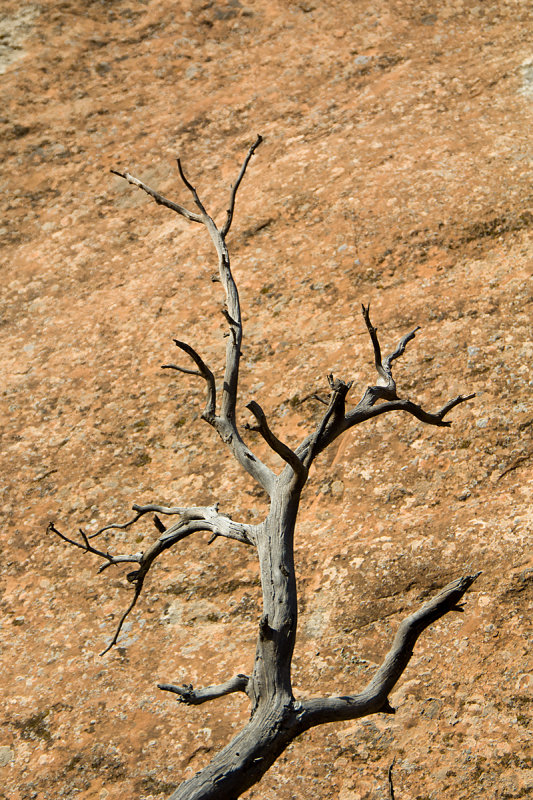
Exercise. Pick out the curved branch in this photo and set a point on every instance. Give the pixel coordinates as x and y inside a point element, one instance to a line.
<point>110,560</point>
<point>185,370</point>
<point>366,410</point>
<point>193,191</point>
<point>122,620</point>
<point>204,372</point>
<point>134,558</point>
<point>374,698</point>
<point>400,348</point>
<point>195,697</point>
<point>175,534</point>
<point>375,342</point>
<point>117,525</point>
<point>192,520</point>
<point>209,519</point>
<point>227,430</point>
<point>229,220</point>
<point>182,529</point>
<point>276,444</point>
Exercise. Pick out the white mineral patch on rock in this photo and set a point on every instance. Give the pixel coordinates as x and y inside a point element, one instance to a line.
<point>13,31</point>
<point>6,755</point>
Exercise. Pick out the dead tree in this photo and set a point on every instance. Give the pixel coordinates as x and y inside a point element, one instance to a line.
<point>276,718</point>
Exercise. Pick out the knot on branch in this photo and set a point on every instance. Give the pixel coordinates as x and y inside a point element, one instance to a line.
<point>265,631</point>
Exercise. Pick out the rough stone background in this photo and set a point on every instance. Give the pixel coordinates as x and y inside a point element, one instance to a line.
<point>394,170</point>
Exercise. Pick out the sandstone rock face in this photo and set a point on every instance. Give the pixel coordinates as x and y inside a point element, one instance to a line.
<point>394,171</point>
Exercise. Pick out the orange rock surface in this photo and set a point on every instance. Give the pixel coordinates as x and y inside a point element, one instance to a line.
<point>394,171</point>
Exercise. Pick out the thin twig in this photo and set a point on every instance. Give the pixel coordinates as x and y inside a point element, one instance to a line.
<point>391,787</point>
<point>236,185</point>
<point>117,525</point>
<point>159,199</point>
<point>203,371</point>
<point>515,464</point>
<point>138,588</point>
<point>193,191</point>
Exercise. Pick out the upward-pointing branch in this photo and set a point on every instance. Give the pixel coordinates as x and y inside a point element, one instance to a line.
<point>335,421</point>
<point>383,366</point>
<point>233,348</point>
<point>225,423</point>
<point>251,151</point>
<point>375,697</point>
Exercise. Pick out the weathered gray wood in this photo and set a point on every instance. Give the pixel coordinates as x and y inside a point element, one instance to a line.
<point>276,718</point>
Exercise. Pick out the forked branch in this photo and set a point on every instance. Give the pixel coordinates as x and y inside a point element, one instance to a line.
<point>204,372</point>
<point>191,520</point>
<point>159,199</point>
<point>383,366</point>
<point>335,421</point>
<point>224,423</point>
<point>270,730</point>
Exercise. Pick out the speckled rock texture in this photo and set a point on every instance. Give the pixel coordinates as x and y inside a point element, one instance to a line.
<point>394,171</point>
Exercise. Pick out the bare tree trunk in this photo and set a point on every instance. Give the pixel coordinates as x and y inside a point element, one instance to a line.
<point>244,761</point>
<point>276,718</point>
